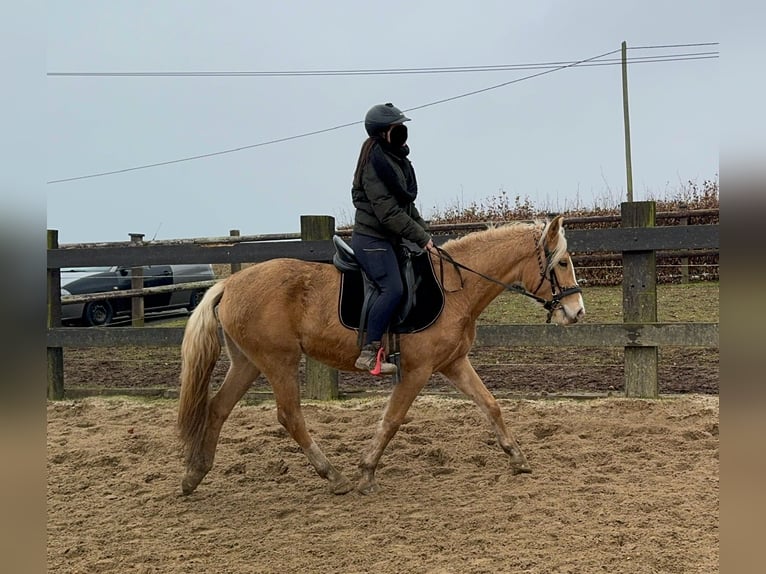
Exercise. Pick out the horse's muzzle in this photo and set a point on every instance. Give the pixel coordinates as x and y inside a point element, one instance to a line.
<point>562,316</point>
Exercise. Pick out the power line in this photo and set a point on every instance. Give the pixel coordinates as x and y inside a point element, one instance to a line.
<point>658,59</point>
<point>386,72</point>
<point>222,152</point>
<point>204,155</point>
<point>578,63</point>
<point>515,81</point>
<point>653,47</point>
<point>393,71</point>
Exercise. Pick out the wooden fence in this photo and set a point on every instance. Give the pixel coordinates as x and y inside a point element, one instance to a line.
<point>638,240</point>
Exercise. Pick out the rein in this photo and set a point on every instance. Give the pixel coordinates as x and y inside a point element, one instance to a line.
<point>550,305</point>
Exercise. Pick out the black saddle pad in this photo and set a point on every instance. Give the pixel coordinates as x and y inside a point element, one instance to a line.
<point>428,298</point>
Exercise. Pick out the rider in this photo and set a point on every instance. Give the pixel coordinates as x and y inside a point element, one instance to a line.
<point>384,192</point>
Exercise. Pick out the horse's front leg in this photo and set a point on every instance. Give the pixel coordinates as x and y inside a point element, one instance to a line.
<point>462,374</point>
<point>399,403</point>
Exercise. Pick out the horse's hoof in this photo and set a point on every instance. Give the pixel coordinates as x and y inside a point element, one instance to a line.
<point>191,481</point>
<point>341,486</point>
<point>521,469</point>
<point>368,487</point>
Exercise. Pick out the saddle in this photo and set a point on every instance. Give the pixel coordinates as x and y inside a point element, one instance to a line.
<point>421,305</point>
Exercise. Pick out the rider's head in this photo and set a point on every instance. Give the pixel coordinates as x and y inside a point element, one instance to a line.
<point>387,121</point>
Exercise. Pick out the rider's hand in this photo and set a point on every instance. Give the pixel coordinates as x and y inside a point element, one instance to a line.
<point>430,245</point>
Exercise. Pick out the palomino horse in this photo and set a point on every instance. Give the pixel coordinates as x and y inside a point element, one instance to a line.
<point>274,312</point>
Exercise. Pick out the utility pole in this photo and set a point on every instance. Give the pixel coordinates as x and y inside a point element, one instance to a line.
<point>628,163</point>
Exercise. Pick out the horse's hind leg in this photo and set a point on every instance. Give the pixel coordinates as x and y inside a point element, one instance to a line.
<point>462,374</point>
<point>283,377</point>
<point>239,377</point>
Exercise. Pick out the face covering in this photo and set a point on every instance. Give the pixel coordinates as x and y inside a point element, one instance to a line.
<point>397,135</point>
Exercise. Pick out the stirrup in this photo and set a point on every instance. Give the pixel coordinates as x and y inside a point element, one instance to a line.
<point>379,362</point>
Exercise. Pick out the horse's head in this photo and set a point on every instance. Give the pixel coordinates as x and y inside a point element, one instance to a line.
<point>556,280</point>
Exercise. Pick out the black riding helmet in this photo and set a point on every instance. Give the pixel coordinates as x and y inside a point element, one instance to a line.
<point>380,116</point>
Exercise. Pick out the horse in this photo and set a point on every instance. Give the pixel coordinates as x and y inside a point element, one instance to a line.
<point>273,312</point>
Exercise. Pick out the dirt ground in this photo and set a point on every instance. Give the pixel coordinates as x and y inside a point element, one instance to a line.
<point>619,486</point>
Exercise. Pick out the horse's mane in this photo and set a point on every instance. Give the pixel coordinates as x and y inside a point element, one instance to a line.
<point>504,232</point>
<point>493,232</point>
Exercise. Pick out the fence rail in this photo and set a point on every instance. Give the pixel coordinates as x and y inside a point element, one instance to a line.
<point>640,335</point>
<point>624,240</point>
<point>579,335</point>
<point>439,229</point>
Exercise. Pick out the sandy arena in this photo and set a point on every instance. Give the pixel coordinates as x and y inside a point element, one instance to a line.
<point>619,486</point>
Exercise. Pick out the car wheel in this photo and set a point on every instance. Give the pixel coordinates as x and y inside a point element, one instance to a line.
<point>97,313</point>
<point>195,299</point>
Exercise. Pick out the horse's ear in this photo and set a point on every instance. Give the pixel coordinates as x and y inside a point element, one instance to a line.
<point>552,237</point>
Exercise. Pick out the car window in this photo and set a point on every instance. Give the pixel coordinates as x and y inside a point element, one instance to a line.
<point>84,269</point>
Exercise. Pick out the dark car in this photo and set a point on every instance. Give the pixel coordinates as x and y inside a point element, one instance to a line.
<point>85,280</point>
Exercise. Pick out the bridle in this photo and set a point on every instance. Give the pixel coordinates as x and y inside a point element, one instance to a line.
<point>558,292</point>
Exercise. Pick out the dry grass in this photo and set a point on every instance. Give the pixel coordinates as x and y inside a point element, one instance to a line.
<point>502,207</point>
<point>677,303</point>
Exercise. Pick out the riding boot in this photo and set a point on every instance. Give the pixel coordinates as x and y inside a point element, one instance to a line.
<point>373,359</point>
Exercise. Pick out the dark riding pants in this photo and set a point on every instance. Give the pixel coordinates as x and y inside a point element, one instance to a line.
<point>378,260</point>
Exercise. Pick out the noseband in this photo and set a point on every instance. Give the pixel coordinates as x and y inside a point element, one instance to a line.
<point>557,290</point>
<point>550,305</point>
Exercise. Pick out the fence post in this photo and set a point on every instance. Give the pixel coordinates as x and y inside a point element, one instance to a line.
<point>137,282</point>
<point>684,260</point>
<point>639,302</point>
<point>55,354</point>
<point>321,380</point>
<point>235,266</point>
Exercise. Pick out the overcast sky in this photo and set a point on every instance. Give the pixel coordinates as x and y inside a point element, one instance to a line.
<point>556,139</point>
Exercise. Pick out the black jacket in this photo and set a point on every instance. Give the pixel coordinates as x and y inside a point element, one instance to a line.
<point>385,200</point>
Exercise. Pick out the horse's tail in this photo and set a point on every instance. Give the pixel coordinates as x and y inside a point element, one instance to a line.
<point>200,350</point>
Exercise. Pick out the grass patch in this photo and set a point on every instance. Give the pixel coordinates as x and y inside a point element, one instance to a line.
<point>687,303</point>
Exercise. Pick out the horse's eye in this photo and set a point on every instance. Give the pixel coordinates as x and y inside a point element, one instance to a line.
<point>563,263</point>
